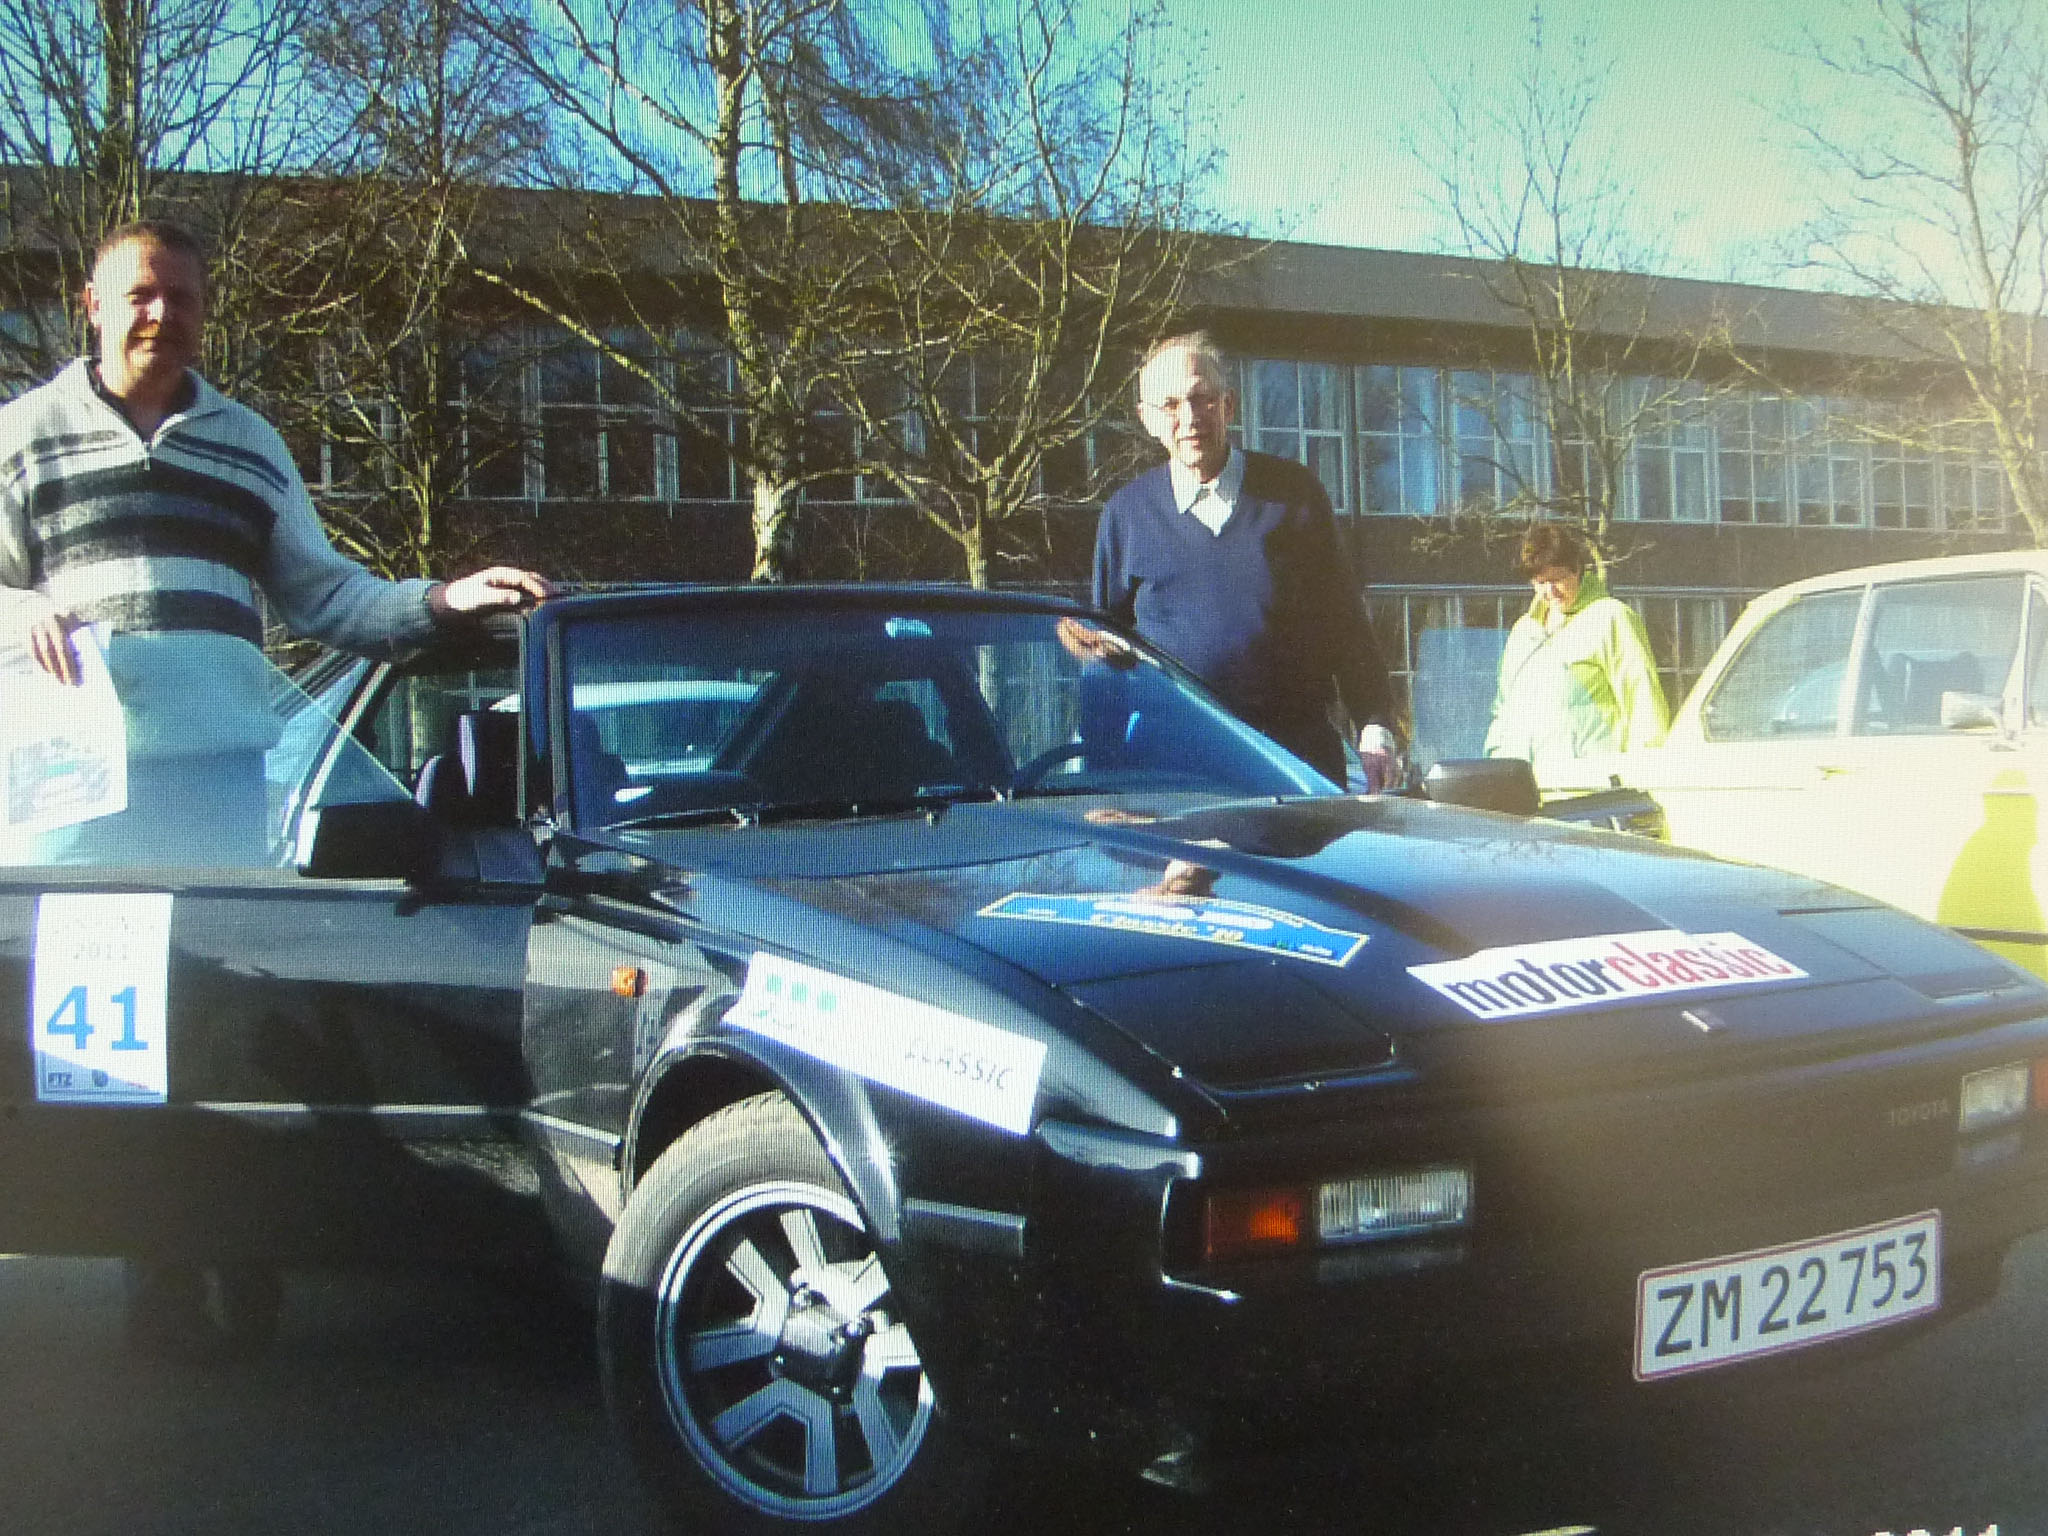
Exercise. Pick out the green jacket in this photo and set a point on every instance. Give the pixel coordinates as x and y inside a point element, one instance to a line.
<point>1589,686</point>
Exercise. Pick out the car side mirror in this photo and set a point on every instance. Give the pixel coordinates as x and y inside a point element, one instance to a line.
<point>374,840</point>
<point>1505,784</point>
<point>400,840</point>
<point>1968,711</point>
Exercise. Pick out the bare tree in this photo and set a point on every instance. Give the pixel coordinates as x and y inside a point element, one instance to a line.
<point>1934,143</point>
<point>110,109</point>
<point>372,314</point>
<point>719,117</point>
<point>1043,235</point>
<point>1529,181</point>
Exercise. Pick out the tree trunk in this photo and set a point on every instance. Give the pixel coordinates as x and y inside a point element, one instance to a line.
<point>774,530</point>
<point>974,547</point>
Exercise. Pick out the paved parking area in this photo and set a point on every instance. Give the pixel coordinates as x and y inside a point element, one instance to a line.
<point>433,1407</point>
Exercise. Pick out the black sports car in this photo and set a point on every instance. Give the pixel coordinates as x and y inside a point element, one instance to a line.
<point>942,1027</point>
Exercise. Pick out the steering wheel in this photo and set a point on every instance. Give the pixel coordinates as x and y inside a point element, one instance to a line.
<point>1027,776</point>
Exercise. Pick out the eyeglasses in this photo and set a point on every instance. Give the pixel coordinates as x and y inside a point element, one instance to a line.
<point>1200,402</point>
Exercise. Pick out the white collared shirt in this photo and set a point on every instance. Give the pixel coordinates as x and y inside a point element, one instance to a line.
<point>1211,501</point>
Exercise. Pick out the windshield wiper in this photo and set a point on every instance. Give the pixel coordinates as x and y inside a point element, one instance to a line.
<point>932,800</point>
<point>702,816</point>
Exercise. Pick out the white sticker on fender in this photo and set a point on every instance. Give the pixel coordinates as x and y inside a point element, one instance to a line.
<point>100,983</point>
<point>944,1058</point>
<point>1521,979</point>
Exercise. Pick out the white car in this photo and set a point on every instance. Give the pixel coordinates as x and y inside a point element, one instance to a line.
<point>1884,729</point>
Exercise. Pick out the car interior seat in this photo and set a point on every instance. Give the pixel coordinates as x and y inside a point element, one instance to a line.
<point>890,753</point>
<point>476,781</point>
<point>1924,679</point>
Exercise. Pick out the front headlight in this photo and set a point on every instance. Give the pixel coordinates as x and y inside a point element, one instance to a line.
<point>1283,1218</point>
<point>1994,1097</point>
<point>1393,1204</point>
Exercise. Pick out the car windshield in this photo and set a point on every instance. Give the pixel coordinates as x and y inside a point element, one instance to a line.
<point>686,716</point>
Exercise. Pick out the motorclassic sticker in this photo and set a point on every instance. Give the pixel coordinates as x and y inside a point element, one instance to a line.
<point>1521,979</point>
<point>1206,921</point>
<point>944,1058</point>
<point>100,982</point>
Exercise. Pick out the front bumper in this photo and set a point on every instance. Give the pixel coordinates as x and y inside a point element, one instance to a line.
<point>1127,1342</point>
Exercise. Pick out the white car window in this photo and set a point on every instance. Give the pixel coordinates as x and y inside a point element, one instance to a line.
<point>1787,680</point>
<point>1931,639</point>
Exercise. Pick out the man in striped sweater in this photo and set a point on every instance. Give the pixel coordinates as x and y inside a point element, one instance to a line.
<point>134,494</point>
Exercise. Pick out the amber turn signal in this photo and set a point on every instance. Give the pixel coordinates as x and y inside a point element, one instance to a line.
<point>1239,1223</point>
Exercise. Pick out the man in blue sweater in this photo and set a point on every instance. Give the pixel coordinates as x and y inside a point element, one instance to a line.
<point>1230,561</point>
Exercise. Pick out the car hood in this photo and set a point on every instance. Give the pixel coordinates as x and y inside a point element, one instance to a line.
<point>1270,943</point>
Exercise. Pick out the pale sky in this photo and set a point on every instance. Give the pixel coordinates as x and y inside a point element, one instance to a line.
<point>1314,99</point>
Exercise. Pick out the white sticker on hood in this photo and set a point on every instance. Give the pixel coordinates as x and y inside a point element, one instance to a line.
<point>958,1063</point>
<point>1522,979</point>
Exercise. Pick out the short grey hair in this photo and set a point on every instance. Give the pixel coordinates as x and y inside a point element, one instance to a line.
<point>1208,356</point>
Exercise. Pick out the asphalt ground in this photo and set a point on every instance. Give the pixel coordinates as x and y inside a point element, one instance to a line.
<point>441,1407</point>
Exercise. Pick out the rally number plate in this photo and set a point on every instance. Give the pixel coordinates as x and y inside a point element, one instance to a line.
<point>1690,1317</point>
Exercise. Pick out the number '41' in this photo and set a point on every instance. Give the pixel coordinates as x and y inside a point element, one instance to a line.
<point>69,1018</point>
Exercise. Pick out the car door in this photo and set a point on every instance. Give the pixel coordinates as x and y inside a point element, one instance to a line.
<point>1739,773</point>
<point>244,1061</point>
<point>1919,802</point>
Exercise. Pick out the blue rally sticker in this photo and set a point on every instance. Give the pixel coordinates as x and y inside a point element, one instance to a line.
<point>1205,920</point>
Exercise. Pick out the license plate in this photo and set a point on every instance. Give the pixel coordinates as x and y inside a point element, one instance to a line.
<point>1691,1317</point>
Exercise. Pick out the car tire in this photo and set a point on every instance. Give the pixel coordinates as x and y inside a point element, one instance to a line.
<point>196,1314</point>
<point>751,1357</point>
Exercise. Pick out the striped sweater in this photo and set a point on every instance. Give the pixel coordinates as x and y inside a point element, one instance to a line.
<point>167,541</point>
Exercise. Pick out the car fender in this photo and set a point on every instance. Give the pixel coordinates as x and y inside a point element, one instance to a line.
<point>694,1074</point>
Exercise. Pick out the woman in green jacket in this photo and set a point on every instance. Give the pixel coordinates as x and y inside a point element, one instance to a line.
<point>1577,676</point>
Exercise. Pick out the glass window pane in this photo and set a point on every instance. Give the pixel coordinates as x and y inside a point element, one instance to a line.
<point>1848,493</point>
<point>1322,405</point>
<point>1420,492</point>
<point>496,461</point>
<point>570,454</point>
<point>703,468</point>
<point>1767,473</point>
<point>1735,485</point>
<point>1653,484</point>
<point>1472,402</point>
<point>1787,681</point>
<point>1419,405</point>
<point>1690,475</point>
<point>1379,400</point>
<point>1814,507</point>
<point>1278,402</point>
<point>623,386</point>
<point>1381,474</point>
<point>568,374</point>
<point>1326,458</point>
<point>629,460</point>
<point>1929,638</point>
<point>1475,479</point>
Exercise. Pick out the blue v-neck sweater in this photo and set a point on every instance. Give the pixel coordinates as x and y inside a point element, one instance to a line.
<point>1267,613</point>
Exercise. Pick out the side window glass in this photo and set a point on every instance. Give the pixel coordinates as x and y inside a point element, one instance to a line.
<point>1936,641</point>
<point>416,718</point>
<point>94,797</point>
<point>1787,681</point>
